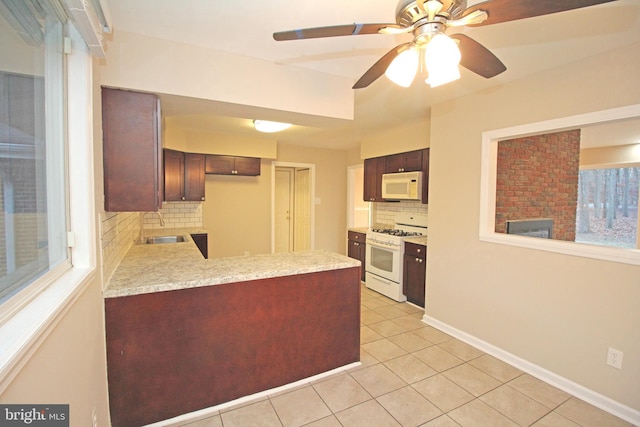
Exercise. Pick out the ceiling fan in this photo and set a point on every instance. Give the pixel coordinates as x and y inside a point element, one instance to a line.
<point>428,21</point>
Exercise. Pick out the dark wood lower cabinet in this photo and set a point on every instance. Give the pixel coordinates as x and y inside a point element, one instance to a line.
<point>171,353</point>
<point>414,273</point>
<point>202,242</point>
<point>357,249</point>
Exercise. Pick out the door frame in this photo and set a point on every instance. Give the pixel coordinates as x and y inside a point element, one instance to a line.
<point>312,198</point>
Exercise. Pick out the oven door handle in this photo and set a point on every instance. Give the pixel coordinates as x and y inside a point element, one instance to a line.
<point>382,245</point>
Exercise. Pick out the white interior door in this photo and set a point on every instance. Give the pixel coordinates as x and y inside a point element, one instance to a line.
<point>283,223</point>
<point>302,210</point>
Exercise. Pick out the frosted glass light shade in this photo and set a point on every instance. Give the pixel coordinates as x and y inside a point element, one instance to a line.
<point>442,57</point>
<point>403,68</point>
<point>270,127</point>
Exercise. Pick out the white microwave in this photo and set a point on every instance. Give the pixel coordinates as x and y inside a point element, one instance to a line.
<point>402,186</point>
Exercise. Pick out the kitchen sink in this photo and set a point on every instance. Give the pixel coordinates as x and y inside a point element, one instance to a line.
<point>164,239</point>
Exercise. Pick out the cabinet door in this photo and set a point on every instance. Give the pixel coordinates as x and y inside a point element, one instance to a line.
<point>249,166</point>
<point>194,167</point>
<point>373,170</point>
<point>413,161</point>
<point>173,175</point>
<point>414,272</point>
<point>132,153</point>
<point>413,280</point>
<point>410,161</point>
<point>357,250</point>
<point>220,165</point>
<point>394,163</point>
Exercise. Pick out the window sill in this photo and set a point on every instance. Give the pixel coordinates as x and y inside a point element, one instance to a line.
<point>26,329</point>
<point>605,253</point>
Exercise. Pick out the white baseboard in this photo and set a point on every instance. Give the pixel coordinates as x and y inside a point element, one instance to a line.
<point>596,399</point>
<point>213,410</point>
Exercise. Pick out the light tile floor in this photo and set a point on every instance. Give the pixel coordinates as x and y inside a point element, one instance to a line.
<point>415,375</point>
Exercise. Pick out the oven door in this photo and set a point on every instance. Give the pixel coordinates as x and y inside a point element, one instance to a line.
<point>383,260</point>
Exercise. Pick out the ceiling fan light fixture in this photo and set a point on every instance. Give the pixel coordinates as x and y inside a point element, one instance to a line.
<point>404,67</point>
<point>433,7</point>
<point>442,57</point>
<point>270,127</point>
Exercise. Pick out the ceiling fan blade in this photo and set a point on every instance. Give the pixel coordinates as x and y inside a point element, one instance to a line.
<point>380,66</point>
<point>477,58</point>
<point>512,10</point>
<point>333,31</point>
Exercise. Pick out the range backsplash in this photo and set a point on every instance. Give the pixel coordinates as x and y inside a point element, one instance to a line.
<point>385,212</point>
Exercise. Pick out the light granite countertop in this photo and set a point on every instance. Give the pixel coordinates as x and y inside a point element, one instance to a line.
<point>418,240</point>
<point>173,266</point>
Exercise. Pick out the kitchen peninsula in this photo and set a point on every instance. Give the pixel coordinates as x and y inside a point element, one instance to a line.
<point>184,333</point>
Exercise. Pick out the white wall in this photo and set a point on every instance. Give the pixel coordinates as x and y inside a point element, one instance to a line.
<point>556,311</point>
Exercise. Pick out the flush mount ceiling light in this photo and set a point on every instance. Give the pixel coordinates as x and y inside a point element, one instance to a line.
<point>426,19</point>
<point>270,127</point>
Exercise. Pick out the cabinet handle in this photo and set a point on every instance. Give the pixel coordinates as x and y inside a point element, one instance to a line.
<point>182,198</point>
<point>418,250</point>
<point>356,244</point>
<point>419,260</point>
<point>202,198</point>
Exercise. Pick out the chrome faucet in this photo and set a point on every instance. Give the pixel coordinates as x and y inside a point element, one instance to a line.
<point>140,237</point>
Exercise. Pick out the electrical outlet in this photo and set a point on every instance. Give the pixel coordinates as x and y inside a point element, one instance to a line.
<point>614,358</point>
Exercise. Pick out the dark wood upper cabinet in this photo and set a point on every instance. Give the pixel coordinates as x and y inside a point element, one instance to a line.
<point>132,153</point>
<point>373,170</point>
<point>194,166</point>
<point>410,161</point>
<point>232,165</point>
<point>173,175</point>
<point>183,176</point>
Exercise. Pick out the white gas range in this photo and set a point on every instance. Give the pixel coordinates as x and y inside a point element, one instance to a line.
<point>385,249</point>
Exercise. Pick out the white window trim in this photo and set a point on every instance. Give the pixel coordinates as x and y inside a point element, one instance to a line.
<point>488,187</point>
<point>29,325</point>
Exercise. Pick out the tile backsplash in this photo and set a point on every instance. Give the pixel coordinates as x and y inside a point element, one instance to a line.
<point>119,230</point>
<point>385,212</point>
<point>176,215</point>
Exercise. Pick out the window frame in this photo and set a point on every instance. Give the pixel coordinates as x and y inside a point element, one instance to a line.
<point>28,318</point>
<point>490,141</point>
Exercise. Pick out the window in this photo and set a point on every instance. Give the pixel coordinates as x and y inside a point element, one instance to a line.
<point>608,141</point>
<point>33,197</point>
<point>607,211</point>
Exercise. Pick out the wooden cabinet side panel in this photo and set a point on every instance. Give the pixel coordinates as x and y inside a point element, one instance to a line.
<point>425,176</point>
<point>171,353</point>
<point>202,241</point>
<point>131,151</point>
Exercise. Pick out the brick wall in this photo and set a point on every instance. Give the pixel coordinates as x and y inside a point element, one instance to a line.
<point>537,177</point>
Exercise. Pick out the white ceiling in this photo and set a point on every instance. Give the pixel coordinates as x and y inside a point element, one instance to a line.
<point>246,27</point>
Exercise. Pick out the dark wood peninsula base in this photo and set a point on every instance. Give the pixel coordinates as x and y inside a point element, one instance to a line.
<point>175,352</point>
